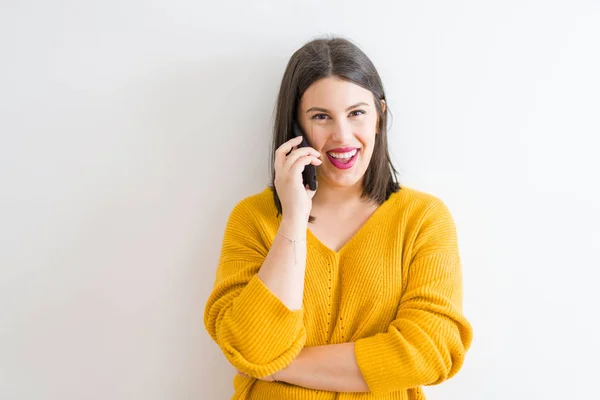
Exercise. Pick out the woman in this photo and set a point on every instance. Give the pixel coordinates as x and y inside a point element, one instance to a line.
<point>352,291</point>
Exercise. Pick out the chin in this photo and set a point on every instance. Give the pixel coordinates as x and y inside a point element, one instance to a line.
<point>348,182</point>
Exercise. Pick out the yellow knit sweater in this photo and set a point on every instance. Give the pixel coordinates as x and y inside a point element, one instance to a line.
<point>395,290</point>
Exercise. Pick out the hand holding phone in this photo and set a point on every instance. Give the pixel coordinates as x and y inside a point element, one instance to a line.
<point>309,175</point>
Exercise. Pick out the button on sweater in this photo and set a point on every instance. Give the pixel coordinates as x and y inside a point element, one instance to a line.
<point>394,289</point>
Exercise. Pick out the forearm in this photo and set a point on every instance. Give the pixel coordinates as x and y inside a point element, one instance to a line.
<point>284,267</point>
<point>332,368</point>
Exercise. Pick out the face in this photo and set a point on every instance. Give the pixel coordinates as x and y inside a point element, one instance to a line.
<point>340,121</point>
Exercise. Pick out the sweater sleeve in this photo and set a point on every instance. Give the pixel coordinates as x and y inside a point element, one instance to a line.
<point>426,342</point>
<point>257,333</point>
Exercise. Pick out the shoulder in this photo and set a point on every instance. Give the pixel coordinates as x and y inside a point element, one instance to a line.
<point>428,223</point>
<point>259,206</point>
<point>418,204</point>
<point>250,223</point>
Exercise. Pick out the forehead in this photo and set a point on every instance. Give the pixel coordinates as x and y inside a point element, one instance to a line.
<point>334,93</point>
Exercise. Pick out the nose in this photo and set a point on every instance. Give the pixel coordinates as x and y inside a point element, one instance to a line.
<point>342,131</point>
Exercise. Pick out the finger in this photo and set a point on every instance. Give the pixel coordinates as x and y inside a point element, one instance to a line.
<point>296,154</point>
<point>302,162</point>
<point>285,148</point>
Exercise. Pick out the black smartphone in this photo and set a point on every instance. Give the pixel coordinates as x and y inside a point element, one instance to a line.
<point>309,175</point>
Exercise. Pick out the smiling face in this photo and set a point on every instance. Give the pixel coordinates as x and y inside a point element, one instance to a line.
<point>340,121</point>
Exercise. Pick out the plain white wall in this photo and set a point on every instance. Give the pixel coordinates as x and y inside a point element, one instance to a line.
<point>129,129</point>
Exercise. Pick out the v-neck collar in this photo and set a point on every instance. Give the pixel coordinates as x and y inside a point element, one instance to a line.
<point>363,230</point>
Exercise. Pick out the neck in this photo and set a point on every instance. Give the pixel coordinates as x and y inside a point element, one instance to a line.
<point>338,199</point>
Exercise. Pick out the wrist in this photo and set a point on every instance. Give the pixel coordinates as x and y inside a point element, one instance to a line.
<point>294,218</point>
<point>293,227</point>
<point>276,376</point>
<point>287,374</point>
<point>280,376</point>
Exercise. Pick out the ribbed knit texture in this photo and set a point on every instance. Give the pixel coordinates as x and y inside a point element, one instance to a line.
<point>395,289</point>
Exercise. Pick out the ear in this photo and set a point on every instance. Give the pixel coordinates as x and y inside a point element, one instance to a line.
<point>383,108</point>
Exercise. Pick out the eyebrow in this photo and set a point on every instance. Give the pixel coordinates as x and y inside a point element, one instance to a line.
<point>347,109</point>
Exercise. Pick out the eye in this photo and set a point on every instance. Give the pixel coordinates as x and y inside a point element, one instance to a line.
<point>357,111</point>
<point>317,116</point>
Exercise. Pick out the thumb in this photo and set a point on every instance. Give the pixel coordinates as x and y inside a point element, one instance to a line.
<point>311,193</point>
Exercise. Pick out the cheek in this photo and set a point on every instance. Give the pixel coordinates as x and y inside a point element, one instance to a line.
<point>317,138</point>
<point>316,143</point>
<point>366,134</point>
<point>366,126</point>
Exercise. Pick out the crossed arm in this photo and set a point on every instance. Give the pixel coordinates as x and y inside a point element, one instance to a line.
<point>424,345</point>
<point>332,368</point>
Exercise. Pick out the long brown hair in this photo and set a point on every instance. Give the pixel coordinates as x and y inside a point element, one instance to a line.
<point>339,57</point>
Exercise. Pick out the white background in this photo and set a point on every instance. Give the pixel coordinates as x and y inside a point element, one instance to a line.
<point>129,129</point>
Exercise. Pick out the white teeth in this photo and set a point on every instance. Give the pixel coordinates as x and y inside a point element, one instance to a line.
<point>343,155</point>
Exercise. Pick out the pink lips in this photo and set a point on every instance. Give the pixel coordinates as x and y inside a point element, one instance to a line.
<point>342,149</point>
<point>343,165</point>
